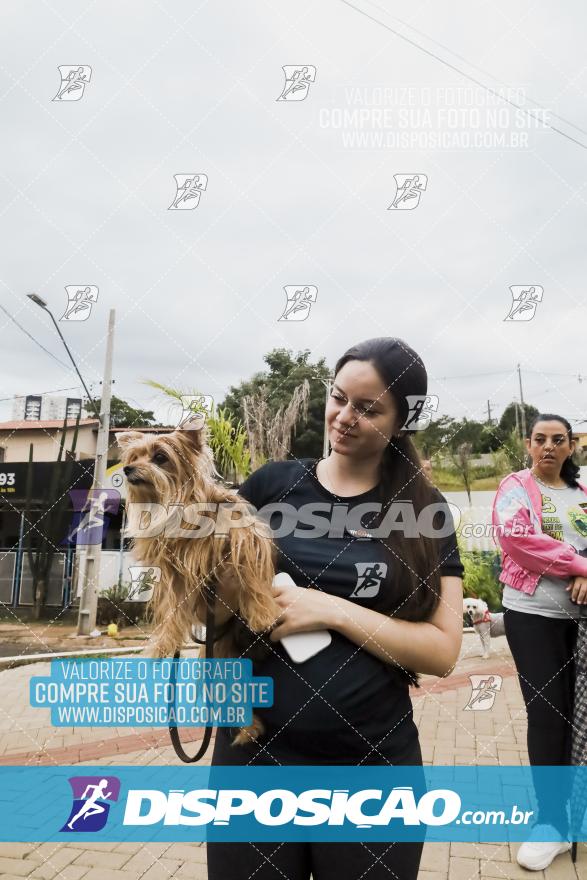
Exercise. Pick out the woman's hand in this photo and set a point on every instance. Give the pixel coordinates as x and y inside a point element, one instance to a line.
<point>578,588</point>
<point>303,610</point>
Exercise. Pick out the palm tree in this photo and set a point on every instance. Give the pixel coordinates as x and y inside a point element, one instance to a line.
<point>270,434</point>
<point>226,438</point>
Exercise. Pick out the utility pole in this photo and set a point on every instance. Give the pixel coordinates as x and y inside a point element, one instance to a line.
<point>522,404</point>
<point>489,413</point>
<point>517,418</point>
<point>91,576</point>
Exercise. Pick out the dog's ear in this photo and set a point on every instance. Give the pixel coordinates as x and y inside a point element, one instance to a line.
<point>192,430</point>
<point>195,422</point>
<point>125,438</point>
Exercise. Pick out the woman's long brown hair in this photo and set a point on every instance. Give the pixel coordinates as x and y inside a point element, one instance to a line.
<point>414,574</point>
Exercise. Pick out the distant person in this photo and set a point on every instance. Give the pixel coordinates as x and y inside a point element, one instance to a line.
<point>538,513</point>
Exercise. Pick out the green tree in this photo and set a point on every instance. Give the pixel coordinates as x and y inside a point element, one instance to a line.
<point>436,438</point>
<point>445,435</point>
<point>490,439</point>
<point>461,460</point>
<point>515,451</point>
<point>508,419</point>
<point>123,415</point>
<point>467,431</point>
<point>286,373</point>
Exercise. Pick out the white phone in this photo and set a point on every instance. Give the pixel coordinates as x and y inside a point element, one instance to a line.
<point>301,646</point>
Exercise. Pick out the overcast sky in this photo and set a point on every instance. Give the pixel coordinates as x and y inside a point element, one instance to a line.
<point>292,199</point>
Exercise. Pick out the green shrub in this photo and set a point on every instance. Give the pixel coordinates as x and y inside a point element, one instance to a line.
<point>481,574</point>
<point>117,594</point>
<point>481,577</point>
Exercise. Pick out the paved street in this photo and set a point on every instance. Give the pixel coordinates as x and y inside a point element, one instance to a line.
<point>449,735</point>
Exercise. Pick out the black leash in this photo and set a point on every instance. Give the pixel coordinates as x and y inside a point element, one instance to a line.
<point>209,642</point>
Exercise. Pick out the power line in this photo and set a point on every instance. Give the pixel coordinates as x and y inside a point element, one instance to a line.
<point>472,375</point>
<point>461,72</point>
<point>474,66</point>
<point>577,376</point>
<point>52,391</point>
<point>36,341</point>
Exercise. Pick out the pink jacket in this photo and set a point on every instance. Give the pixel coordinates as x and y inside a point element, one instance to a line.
<point>527,552</point>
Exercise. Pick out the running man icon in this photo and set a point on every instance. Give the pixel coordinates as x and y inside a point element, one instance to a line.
<point>90,808</point>
<point>74,79</point>
<point>189,188</point>
<point>297,82</point>
<point>93,519</point>
<point>299,302</point>
<point>483,690</point>
<point>420,410</point>
<point>370,578</point>
<point>80,299</point>
<point>409,189</point>
<point>524,302</point>
<point>91,514</point>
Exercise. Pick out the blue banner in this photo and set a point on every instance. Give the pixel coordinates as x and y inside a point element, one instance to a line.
<point>293,803</point>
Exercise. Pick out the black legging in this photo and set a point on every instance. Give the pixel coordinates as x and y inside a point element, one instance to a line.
<point>543,651</point>
<point>297,861</point>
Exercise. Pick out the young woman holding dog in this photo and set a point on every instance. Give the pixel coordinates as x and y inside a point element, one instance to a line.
<point>392,603</point>
<point>540,514</point>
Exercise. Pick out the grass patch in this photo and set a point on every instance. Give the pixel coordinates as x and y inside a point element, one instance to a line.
<point>448,481</point>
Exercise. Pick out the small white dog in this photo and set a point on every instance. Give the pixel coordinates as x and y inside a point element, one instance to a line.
<point>487,624</point>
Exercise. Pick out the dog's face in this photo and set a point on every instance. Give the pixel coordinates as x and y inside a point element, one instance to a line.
<point>162,467</point>
<point>474,608</point>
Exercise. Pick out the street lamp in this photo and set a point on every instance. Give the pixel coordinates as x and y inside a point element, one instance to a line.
<point>90,579</point>
<point>42,304</point>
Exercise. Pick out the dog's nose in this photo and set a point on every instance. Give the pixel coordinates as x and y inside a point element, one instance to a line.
<point>128,469</point>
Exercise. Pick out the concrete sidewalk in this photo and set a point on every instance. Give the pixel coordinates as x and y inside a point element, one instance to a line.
<point>448,735</point>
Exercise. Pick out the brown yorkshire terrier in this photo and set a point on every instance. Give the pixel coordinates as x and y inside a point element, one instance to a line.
<point>170,472</point>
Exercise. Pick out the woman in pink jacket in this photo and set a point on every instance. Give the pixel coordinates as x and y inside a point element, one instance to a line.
<point>540,519</point>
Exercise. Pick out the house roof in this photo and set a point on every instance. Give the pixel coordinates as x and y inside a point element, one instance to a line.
<point>49,424</point>
<point>147,430</point>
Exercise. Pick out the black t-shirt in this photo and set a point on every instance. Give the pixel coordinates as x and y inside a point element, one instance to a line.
<point>344,700</point>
